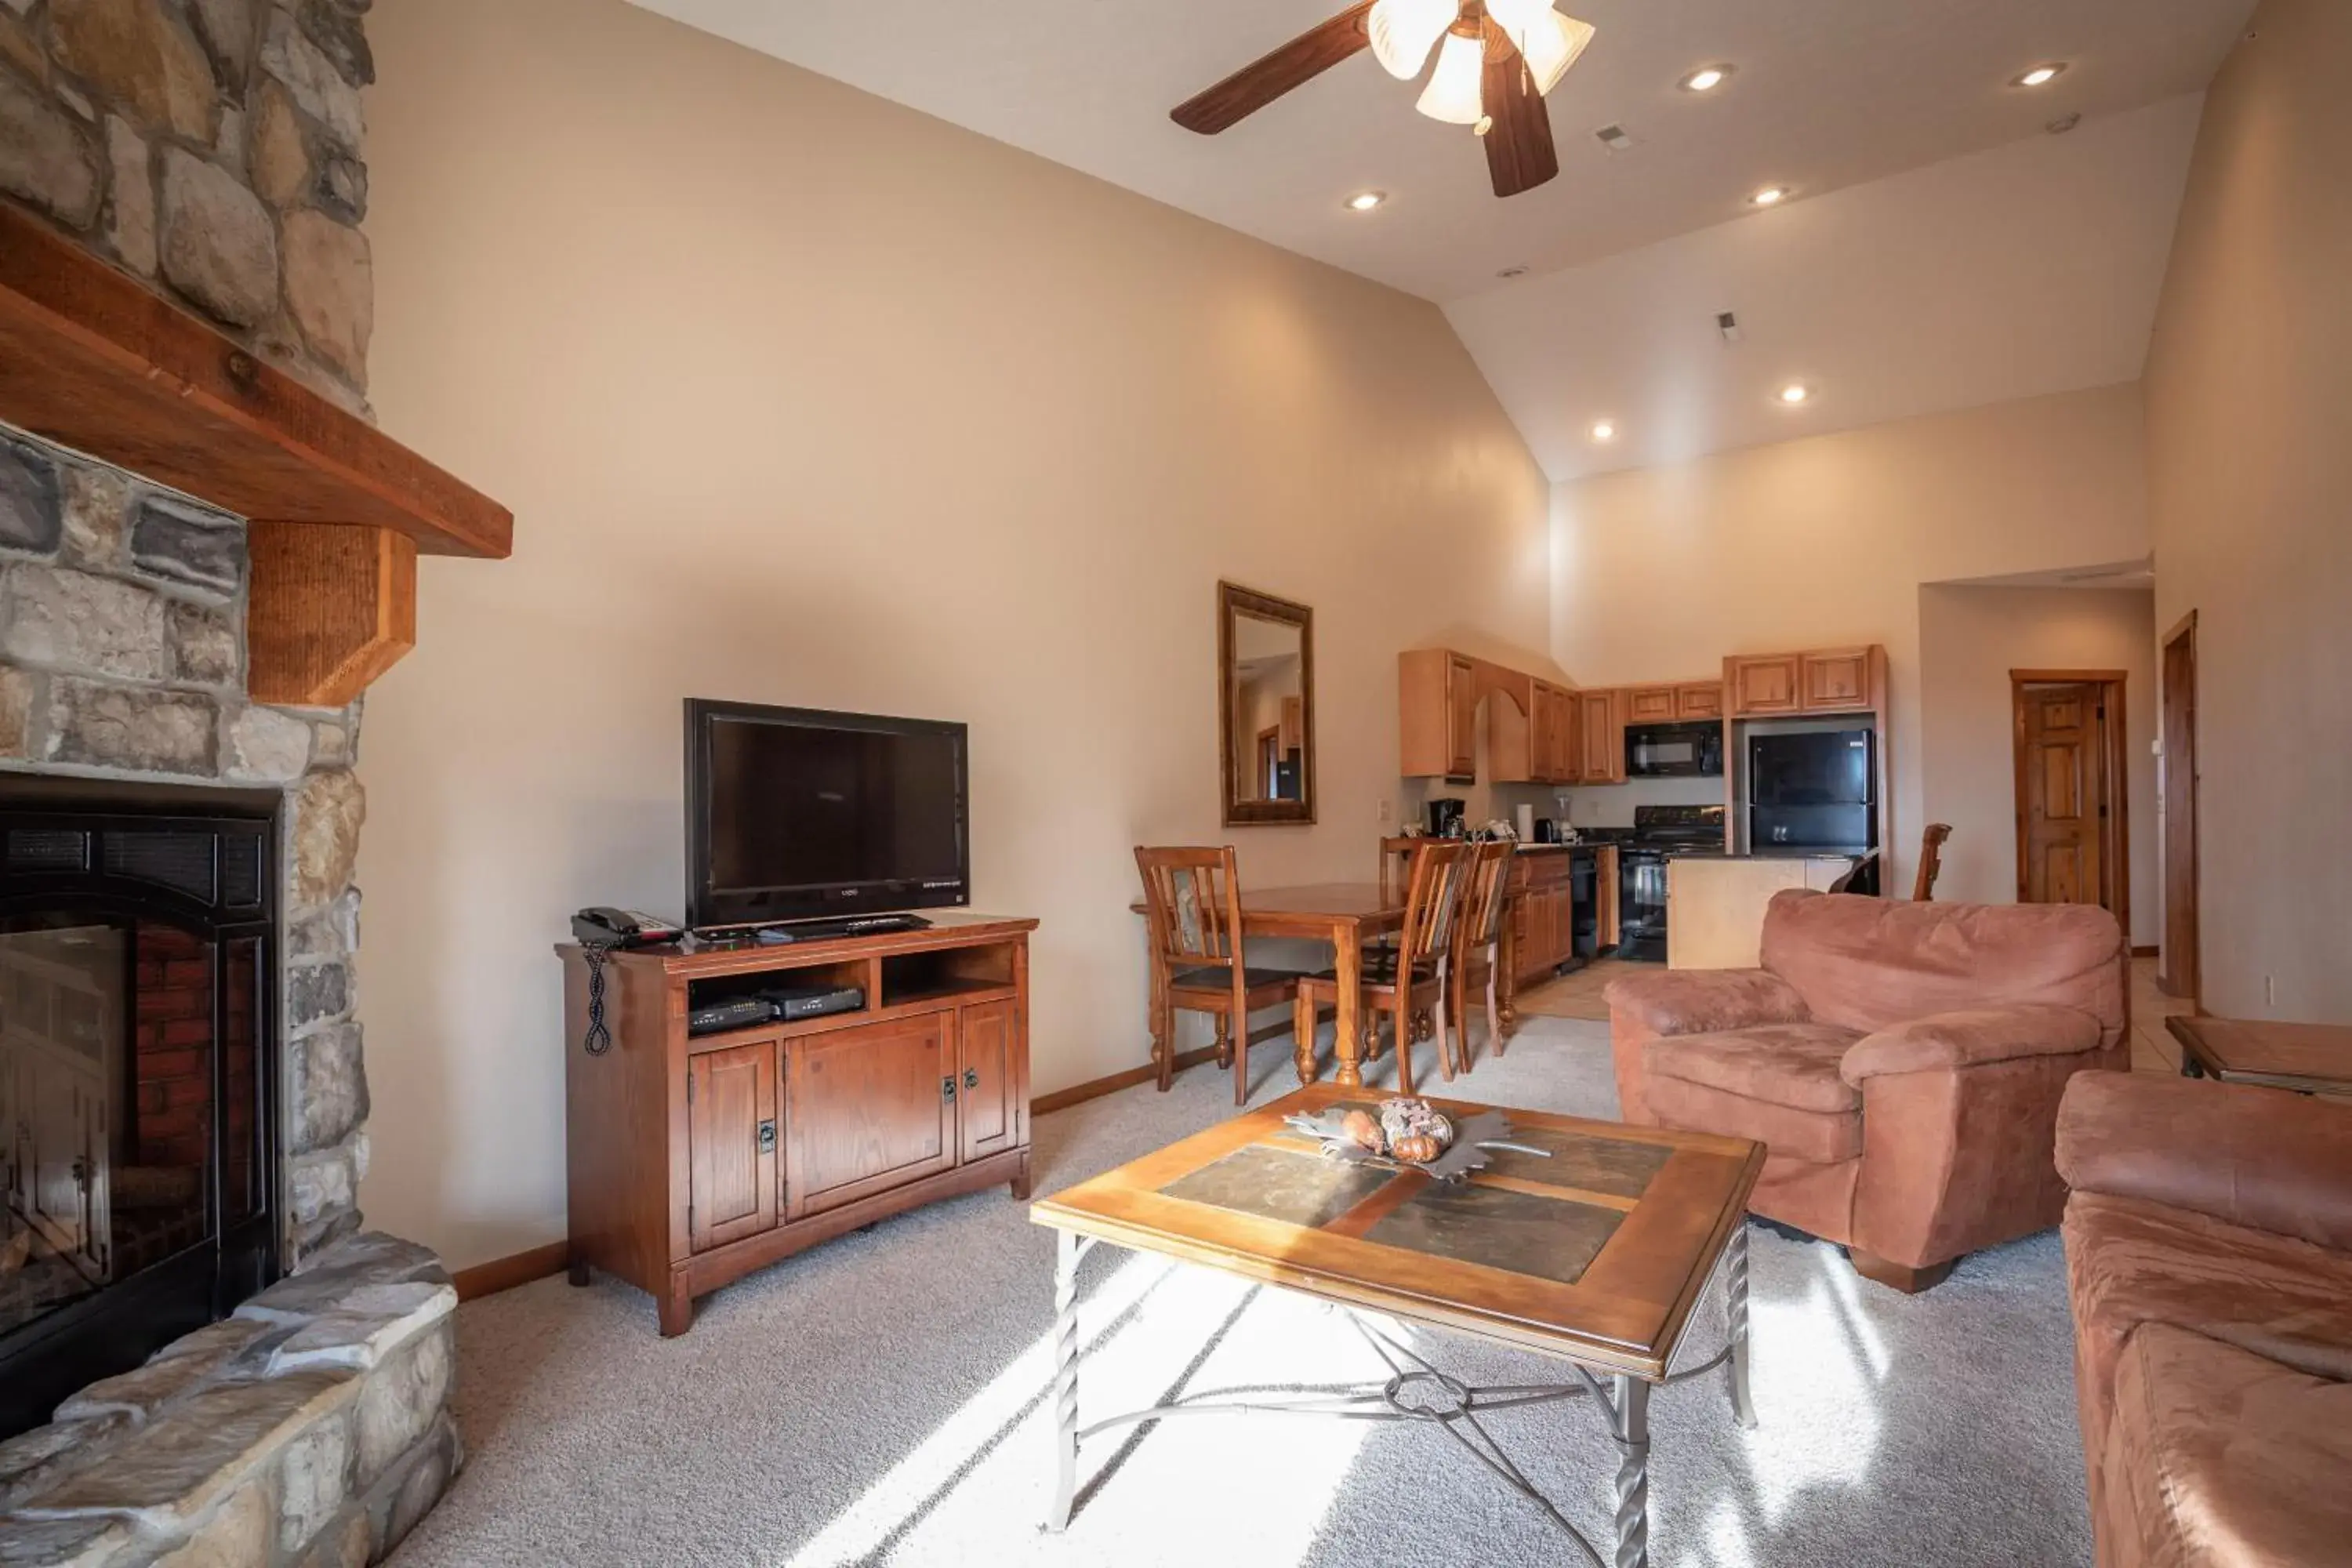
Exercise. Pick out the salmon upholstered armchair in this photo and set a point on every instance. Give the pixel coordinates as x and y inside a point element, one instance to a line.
<point>1900,1062</point>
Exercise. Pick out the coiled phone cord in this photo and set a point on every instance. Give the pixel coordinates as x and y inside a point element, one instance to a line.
<point>599,1038</point>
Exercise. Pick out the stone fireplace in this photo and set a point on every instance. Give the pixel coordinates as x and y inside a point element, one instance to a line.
<point>206,553</point>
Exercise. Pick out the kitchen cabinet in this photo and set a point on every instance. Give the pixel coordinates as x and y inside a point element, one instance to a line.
<point>1764,685</point>
<point>1601,724</point>
<point>1437,718</point>
<point>1699,700</point>
<point>1543,914</point>
<point>1551,743</point>
<point>1651,704</point>
<point>1836,680</point>
<point>1812,680</point>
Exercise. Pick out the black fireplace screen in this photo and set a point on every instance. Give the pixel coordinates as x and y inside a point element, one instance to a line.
<point>137,1085</point>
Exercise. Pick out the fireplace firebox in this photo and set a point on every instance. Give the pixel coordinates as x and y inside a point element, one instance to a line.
<point>139,1168</point>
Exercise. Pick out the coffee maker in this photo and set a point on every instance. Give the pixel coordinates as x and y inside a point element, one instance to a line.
<point>1445,818</point>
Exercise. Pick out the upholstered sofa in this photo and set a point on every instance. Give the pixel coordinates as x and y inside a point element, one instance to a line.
<point>1900,1062</point>
<point>2208,1260</point>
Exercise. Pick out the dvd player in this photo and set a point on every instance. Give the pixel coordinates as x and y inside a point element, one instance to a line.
<point>795,1002</point>
<point>738,1013</point>
<point>834,929</point>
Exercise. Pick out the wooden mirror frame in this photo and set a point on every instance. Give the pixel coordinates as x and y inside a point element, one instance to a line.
<point>1235,600</point>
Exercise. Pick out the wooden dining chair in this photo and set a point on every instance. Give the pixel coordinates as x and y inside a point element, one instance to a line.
<point>1931,861</point>
<point>1478,938</point>
<point>1408,981</point>
<point>1396,865</point>
<point>1193,901</point>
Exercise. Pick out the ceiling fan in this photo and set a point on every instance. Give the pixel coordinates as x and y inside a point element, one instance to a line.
<point>1495,60</point>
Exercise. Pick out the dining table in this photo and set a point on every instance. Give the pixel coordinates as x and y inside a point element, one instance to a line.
<point>1345,914</point>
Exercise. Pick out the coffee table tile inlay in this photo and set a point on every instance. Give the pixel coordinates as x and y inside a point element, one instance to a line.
<point>1596,1255</point>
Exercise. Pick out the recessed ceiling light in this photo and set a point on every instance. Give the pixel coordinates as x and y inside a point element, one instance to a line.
<point>2040,76</point>
<point>1796,391</point>
<point>1769,196</point>
<point>1605,430</point>
<point>1365,201</point>
<point>1706,79</point>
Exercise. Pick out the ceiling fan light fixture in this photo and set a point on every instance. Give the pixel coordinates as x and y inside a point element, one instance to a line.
<point>1455,87</point>
<point>1547,41</point>
<point>1404,31</point>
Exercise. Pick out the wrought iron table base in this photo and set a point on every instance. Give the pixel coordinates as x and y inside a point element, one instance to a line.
<point>1418,1391</point>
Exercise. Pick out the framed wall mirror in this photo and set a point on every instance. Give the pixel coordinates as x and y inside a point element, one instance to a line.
<point>1265,706</point>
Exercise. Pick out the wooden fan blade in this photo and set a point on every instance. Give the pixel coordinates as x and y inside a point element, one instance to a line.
<point>1295,64</point>
<point>1519,152</point>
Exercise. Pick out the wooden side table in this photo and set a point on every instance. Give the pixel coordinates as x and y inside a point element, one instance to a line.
<point>2310,1058</point>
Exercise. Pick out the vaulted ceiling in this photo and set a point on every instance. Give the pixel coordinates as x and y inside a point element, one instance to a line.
<point>1833,99</point>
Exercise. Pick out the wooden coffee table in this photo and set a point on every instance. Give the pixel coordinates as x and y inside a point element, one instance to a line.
<point>1596,1255</point>
<point>2313,1058</point>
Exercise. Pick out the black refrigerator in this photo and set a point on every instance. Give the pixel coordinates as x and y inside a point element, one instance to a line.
<point>1812,794</point>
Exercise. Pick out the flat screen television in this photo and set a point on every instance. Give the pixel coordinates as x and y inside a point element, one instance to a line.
<point>793,814</point>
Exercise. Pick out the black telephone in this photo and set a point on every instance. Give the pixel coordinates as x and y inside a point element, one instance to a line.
<point>603,926</point>
<point>599,929</point>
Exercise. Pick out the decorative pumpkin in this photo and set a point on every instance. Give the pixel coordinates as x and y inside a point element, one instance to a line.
<point>1417,1148</point>
<point>1363,1132</point>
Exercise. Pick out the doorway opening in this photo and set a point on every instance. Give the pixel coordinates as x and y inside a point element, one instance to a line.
<point>2176,972</point>
<point>2073,827</point>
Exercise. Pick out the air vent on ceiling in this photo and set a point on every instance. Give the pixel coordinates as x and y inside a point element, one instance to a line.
<point>1616,138</point>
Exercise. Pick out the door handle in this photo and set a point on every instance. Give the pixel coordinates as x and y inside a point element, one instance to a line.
<point>971,1078</point>
<point>946,1088</point>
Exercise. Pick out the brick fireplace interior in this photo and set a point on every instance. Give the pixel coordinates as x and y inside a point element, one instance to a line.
<point>138,1073</point>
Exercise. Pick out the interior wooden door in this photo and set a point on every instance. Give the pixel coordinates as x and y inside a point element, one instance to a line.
<point>2179,972</point>
<point>2061,795</point>
<point>991,1090</point>
<point>873,1107</point>
<point>731,1122</point>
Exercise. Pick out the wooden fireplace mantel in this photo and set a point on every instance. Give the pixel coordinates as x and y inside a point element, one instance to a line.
<point>91,359</point>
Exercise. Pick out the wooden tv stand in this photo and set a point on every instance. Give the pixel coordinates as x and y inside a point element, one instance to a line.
<point>694,1160</point>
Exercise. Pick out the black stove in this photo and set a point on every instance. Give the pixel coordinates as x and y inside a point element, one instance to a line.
<point>1661,833</point>
<point>1676,830</point>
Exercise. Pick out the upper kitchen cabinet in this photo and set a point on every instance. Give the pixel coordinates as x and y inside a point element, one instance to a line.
<point>1837,680</point>
<point>1650,704</point>
<point>1437,714</point>
<point>1552,749</point>
<point>1765,684</point>
<point>1600,722</point>
<point>1820,680</point>
<point>1699,700</point>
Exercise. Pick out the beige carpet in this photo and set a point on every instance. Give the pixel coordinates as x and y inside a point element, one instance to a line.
<point>881,1400</point>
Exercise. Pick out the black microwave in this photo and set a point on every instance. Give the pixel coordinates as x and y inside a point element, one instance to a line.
<point>1674,751</point>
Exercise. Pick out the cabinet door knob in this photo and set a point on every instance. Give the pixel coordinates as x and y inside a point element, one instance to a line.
<point>971,1077</point>
<point>767,1137</point>
<point>946,1088</point>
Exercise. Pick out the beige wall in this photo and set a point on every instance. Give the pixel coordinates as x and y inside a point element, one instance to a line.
<point>1970,639</point>
<point>1658,573</point>
<point>803,398</point>
<point>2250,426</point>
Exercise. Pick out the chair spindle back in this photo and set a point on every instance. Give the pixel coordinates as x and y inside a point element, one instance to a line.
<point>1432,899</point>
<point>1193,902</point>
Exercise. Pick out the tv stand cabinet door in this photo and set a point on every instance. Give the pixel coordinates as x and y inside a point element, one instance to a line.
<point>731,1136</point>
<point>993,1094</point>
<point>869,1108</point>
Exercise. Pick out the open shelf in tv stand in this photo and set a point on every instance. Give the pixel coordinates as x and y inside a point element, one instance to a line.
<point>694,1160</point>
